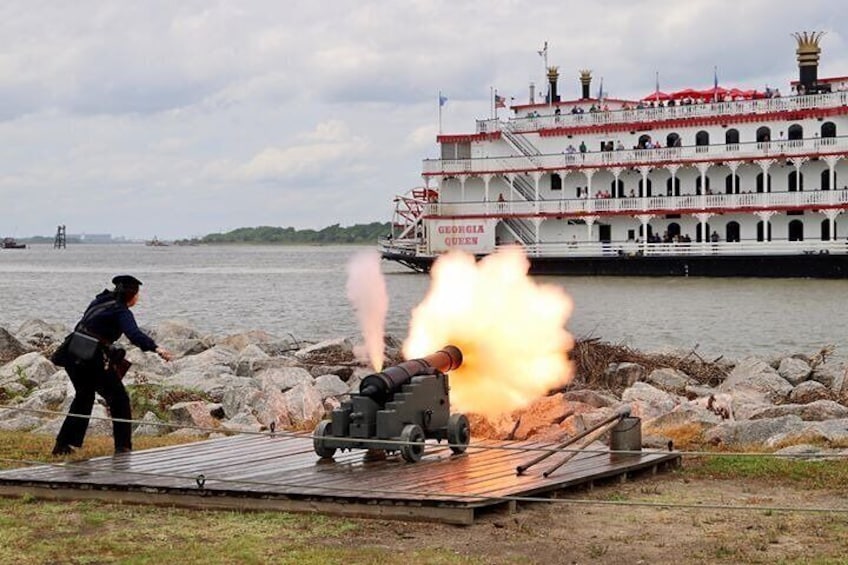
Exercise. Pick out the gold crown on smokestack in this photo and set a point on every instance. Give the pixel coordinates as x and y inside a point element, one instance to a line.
<point>553,73</point>
<point>585,76</point>
<point>808,47</point>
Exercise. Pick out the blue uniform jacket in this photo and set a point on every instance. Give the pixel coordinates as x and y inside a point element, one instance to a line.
<point>116,320</point>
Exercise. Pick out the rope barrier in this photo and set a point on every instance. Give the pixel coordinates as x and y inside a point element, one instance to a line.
<point>202,479</point>
<point>550,447</point>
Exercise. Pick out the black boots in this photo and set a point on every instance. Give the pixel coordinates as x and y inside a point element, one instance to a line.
<point>62,449</point>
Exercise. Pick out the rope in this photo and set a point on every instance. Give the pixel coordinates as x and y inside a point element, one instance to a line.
<point>202,479</point>
<point>548,448</point>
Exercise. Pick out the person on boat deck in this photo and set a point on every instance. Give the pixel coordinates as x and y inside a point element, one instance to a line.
<point>582,146</point>
<point>106,318</point>
<point>714,237</point>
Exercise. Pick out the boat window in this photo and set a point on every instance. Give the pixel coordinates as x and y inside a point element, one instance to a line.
<point>669,191</point>
<point>825,179</point>
<point>825,230</point>
<point>620,191</point>
<point>828,129</point>
<point>796,181</point>
<point>556,182</point>
<point>643,141</point>
<point>731,232</point>
<point>796,230</point>
<point>763,134</point>
<point>795,132</point>
<point>641,191</point>
<point>672,140</point>
<point>698,185</point>
<point>702,138</point>
<point>731,136</point>
<point>729,185</point>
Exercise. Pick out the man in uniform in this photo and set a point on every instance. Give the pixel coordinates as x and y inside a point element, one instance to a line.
<point>106,319</point>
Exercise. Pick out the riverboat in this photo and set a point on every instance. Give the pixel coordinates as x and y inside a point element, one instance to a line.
<point>12,243</point>
<point>714,182</point>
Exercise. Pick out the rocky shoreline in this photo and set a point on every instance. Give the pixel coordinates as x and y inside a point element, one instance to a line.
<point>254,381</point>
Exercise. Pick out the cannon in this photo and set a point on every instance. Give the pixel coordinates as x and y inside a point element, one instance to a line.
<point>398,409</point>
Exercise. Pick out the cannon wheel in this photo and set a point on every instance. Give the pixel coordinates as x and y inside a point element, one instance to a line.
<point>413,434</point>
<point>322,430</point>
<point>459,432</point>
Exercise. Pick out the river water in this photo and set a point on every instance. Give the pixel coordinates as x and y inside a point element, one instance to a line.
<point>301,291</point>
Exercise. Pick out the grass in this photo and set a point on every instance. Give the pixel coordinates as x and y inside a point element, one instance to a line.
<point>809,474</point>
<point>38,531</point>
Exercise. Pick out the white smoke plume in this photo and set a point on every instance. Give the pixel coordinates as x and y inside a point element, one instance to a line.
<point>366,290</point>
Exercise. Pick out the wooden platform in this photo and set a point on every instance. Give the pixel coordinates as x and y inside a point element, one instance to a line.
<point>254,472</point>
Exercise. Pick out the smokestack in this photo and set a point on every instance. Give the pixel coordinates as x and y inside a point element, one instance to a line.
<point>532,93</point>
<point>586,82</point>
<point>553,76</point>
<point>808,58</point>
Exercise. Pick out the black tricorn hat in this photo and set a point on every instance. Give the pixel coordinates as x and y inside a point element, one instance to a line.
<point>126,281</point>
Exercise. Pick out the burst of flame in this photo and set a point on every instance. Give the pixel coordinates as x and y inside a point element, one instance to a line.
<point>366,290</point>
<point>510,329</point>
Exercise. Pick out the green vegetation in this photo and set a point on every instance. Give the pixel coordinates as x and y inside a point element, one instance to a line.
<point>335,234</point>
<point>808,474</point>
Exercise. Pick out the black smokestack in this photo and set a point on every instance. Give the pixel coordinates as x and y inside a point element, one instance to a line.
<point>553,77</point>
<point>808,58</point>
<point>585,82</point>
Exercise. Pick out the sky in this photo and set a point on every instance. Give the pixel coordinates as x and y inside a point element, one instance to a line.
<point>179,119</point>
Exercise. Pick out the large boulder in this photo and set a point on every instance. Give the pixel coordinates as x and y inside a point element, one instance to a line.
<point>753,374</point>
<point>543,413</point>
<point>195,413</point>
<point>623,374</point>
<point>330,385</point>
<point>305,405</point>
<point>649,402</point>
<point>179,337</point>
<point>10,347</point>
<point>329,352</point>
<point>794,370</point>
<point>809,391</point>
<point>250,358</point>
<point>816,411</point>
<point>30,369</point>
<point>591,397</point>
<point>753,432</point>
<point>242,340</point>
<point>218,355</point>
<point>41,335</point>
<point>284,378</point>
<point>151,425</point>
<point>669,380</point>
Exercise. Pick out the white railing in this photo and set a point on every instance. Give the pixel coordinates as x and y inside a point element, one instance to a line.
<point>653,204</point>
<point>738,108</point>
<point>723,248</point>
<point>633,157</point>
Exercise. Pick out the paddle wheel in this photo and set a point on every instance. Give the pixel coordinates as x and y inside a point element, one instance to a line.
<point>407,236</point>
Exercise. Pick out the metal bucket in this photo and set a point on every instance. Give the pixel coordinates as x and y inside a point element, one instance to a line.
<point>626,436</point>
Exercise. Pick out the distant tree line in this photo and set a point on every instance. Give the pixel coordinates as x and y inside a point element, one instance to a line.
<point>335,234</point>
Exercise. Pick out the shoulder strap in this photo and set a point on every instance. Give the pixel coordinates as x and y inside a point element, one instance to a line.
<point>94,311</point>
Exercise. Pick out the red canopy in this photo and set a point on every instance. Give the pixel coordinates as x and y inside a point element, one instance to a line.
<point>658,95</point>
<point>686,93</point>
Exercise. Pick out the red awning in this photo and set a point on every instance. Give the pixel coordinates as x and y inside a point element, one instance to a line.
<point>658,95</point>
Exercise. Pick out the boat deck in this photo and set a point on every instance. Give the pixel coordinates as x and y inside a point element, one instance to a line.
<point>251,472</point>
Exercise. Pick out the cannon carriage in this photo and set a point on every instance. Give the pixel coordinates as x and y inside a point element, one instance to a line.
<point>397,410</point>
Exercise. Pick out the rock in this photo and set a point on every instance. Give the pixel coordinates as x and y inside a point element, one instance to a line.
<point>794,370</point>
<point>240,396</point>
<point>217,355</point>
<point>344,372</point>
<point>648,402</point>
<point>623,374</point>
<point>179,337</point>
<point>833,431</point>
<point>816,411</point>
<point>10,347</point>
<point>284,378</point>
<point>330,385</point>
<point>249,359</point>
<point>21,423</point>
<point>195,413</point>
<point>31,370</point>
<point>809,391</point>
<point>41,335</point>
<point>757,432</point>
<point>802,451</point>
<point>240,341</point>
<point>305,405</point>
<point>830,376</point>
<point>591,397</point>
<point>757,376</point>
<point>670,380</point>
<point>243,422</point>
<point>151,426</point>
<point>213,382</point>
<point>280,347</point>
<point>331,352</point>
<point>684,414</point>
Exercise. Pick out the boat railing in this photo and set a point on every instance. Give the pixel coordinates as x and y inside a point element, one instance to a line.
<point>723,248</point>
<point>748,202</point>
<point>691,154</point>
<point>637,115</point>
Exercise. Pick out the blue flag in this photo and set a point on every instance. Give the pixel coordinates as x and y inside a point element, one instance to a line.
<point>442,99</point>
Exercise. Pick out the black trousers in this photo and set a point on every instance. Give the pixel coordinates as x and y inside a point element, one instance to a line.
<point>90,378</point>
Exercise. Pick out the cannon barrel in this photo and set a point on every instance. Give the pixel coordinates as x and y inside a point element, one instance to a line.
<point>379,386</point>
